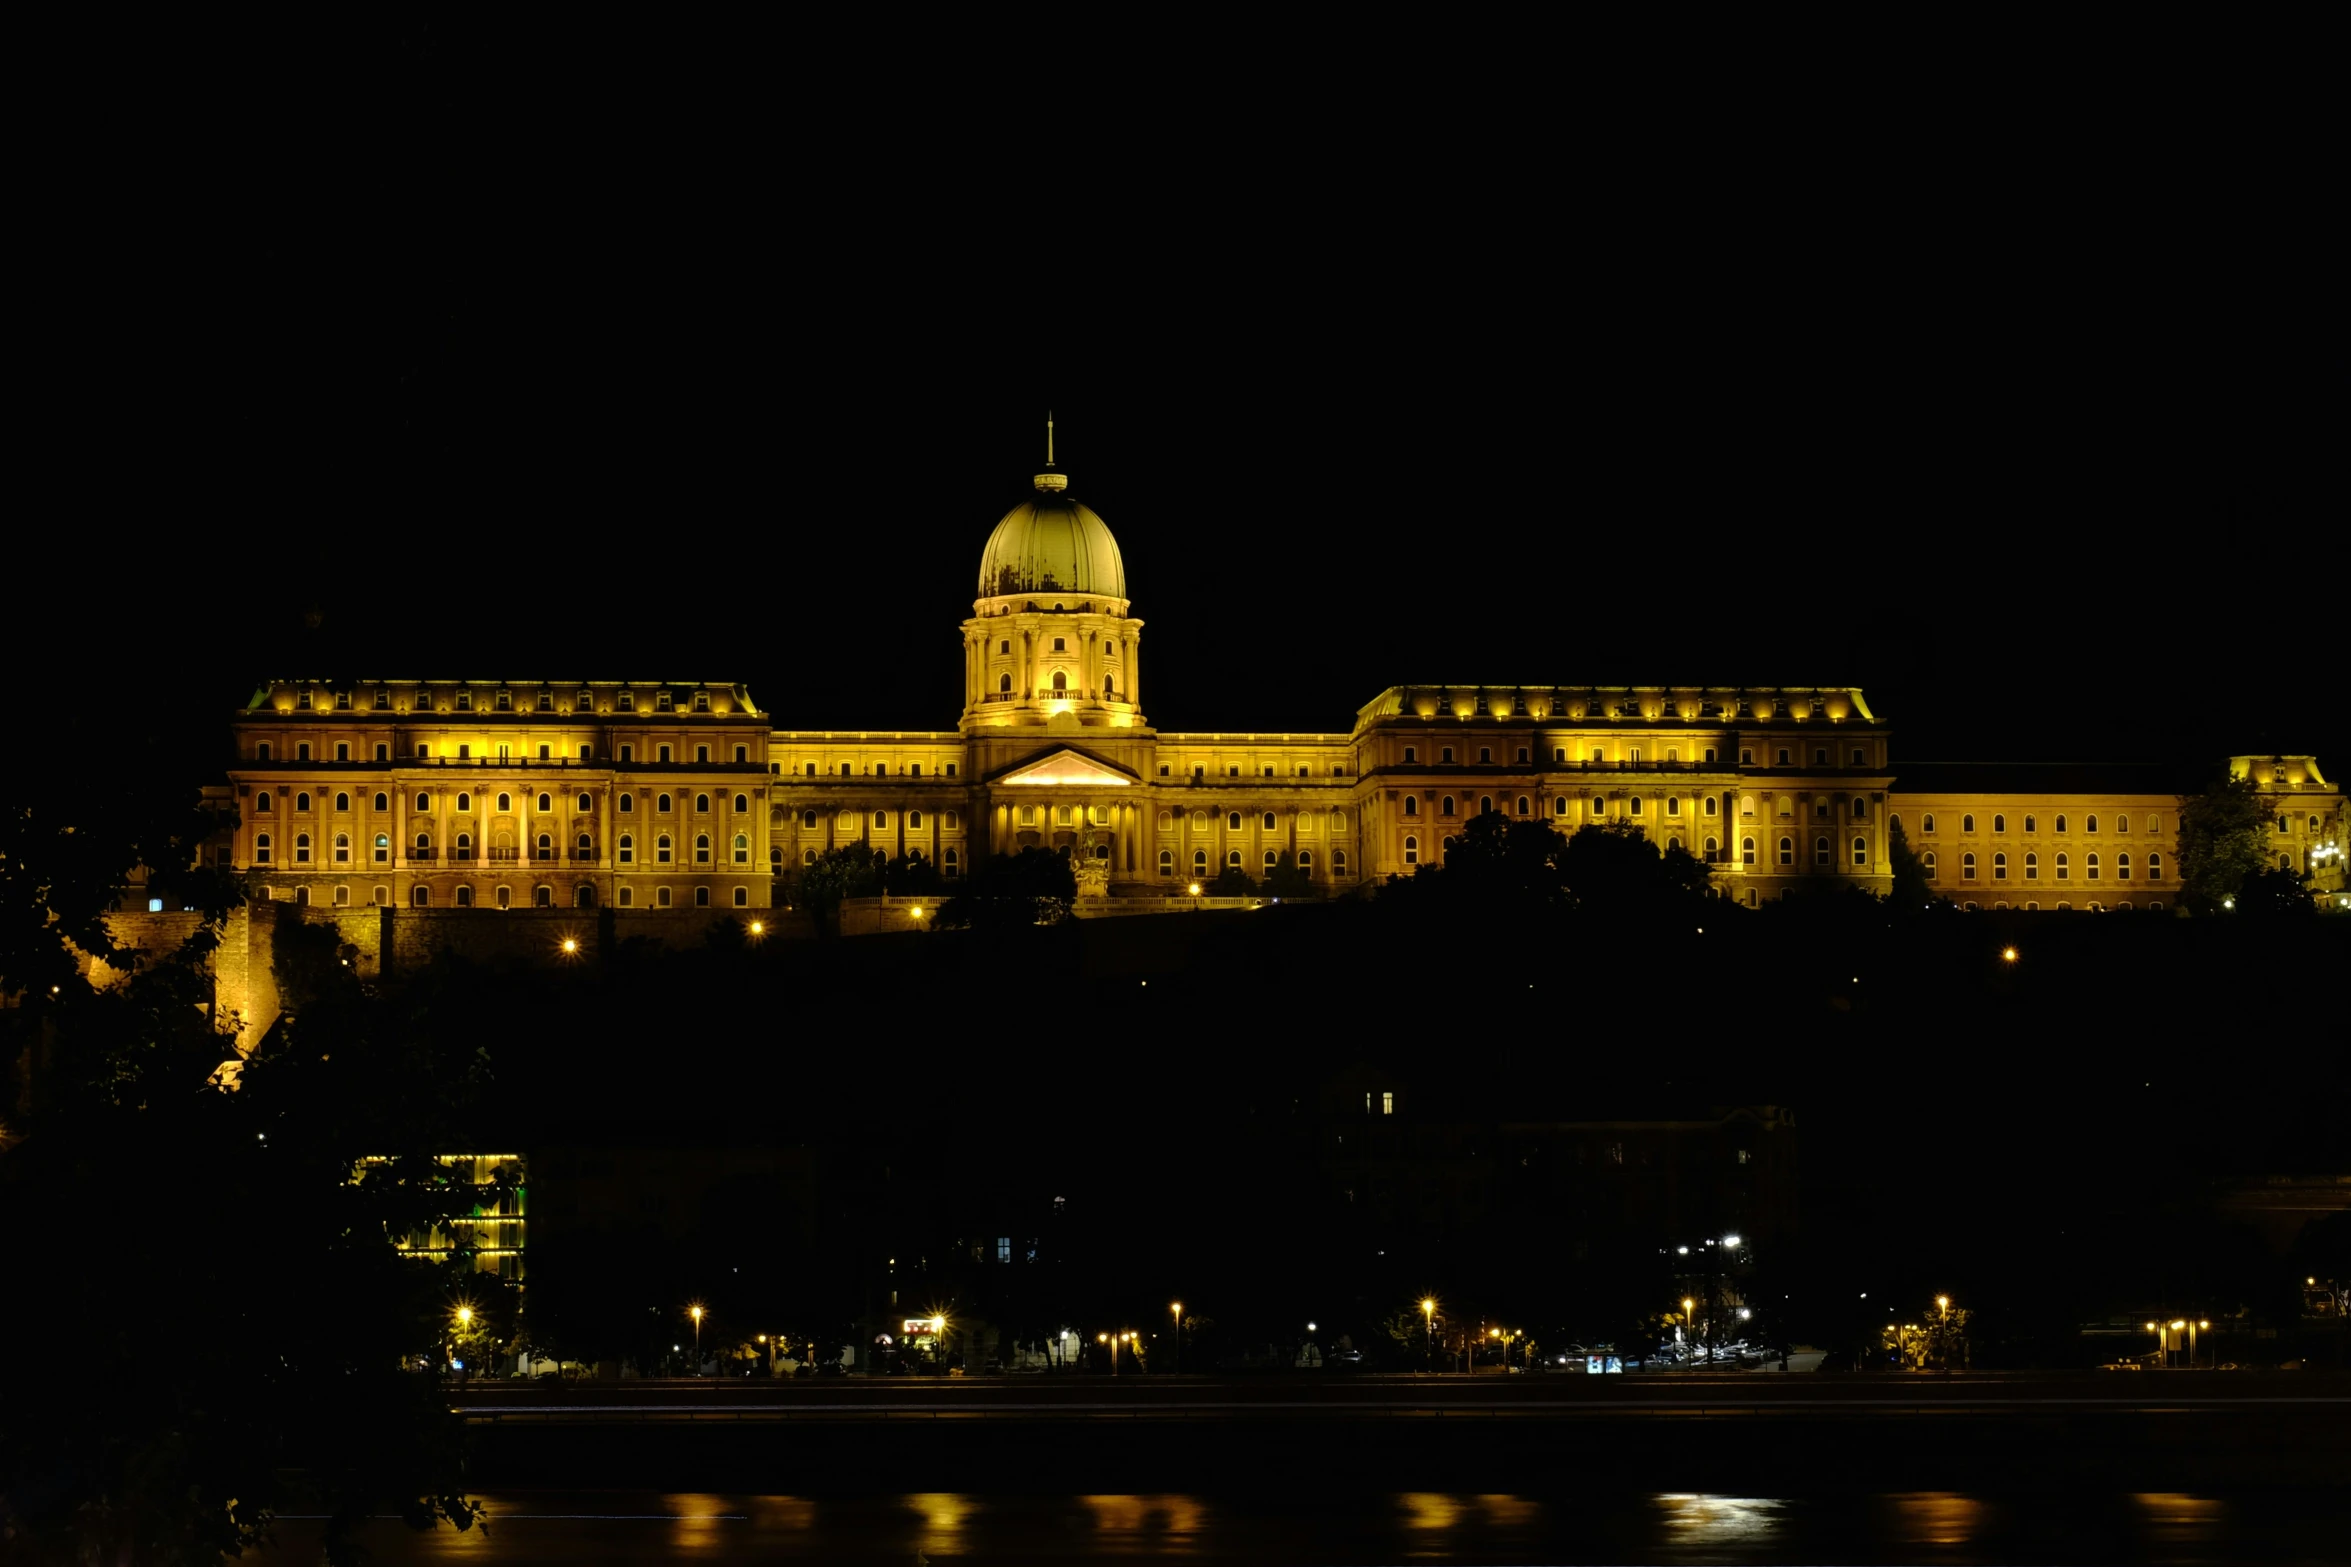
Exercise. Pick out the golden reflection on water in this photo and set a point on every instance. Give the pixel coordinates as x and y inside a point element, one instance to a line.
<point>697,1527</point>
<point>1148,1525</point>
<point>943,1515</point>
<point>1937,1518</point>
<point>2176,1518</point>
<point>1429,1510</point>
<point>1717,1522</point>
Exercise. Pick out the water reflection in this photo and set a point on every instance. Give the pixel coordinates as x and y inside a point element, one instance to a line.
<point>2173,1518</point>
<point>1741,1524</point>
<point>943,1515</point>
<point>1937,1518</point>
<point>1148,1525</point>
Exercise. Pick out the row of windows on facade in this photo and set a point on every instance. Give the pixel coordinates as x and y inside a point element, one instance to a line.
<point>1060,645</point>
<point>584,803</point>
<point>542,897</point>
<point>1233,770</point>
<point>1627,707</point>
<point>1060,685</point>
<point>1823,852</point>
<point>1823,808</point>
<point>665,754</point>
<point>2032,822</point>
<point>1673,756</point>
<point>503,701</point>
<point>1272,859</point>
<point>2062,866</point>
<point>849,770</point>
<point>1099,816</point>
<point>502,848</point>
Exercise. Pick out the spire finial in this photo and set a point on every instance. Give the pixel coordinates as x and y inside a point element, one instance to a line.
<point>1048,437</point>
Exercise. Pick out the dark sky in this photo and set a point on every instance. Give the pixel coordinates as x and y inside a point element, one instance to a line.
<point>2029,422</point>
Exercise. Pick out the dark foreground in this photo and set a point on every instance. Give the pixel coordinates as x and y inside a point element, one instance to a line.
<point>2125,1468</point>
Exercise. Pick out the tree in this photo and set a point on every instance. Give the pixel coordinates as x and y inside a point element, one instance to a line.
<point>2223,839</point>
<point>912,875</point>
<point>1286,880</point>
<point>1232,882</point>
<point>1911,891</point>
<point>2275,893</point>
<point>1616,869</point>
<point>1014,892</point>
<point>846,871</point>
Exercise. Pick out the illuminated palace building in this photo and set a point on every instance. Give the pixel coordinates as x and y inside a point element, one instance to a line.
<point>685,795</point>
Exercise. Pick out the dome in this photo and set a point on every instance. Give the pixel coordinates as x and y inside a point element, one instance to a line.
<point>1052,544</point>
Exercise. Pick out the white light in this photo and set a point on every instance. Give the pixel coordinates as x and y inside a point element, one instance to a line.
<point>1683,1250</point>
<point>1310,1327</point>
<point>1730,1240</point>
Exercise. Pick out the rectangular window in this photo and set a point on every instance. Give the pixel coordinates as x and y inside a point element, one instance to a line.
<point>1387,1104</point>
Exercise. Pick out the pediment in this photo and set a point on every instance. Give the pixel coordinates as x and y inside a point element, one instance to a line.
<point>1068,769</point>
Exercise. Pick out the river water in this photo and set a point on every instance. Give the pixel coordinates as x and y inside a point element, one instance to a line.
<point>1329,1530</point>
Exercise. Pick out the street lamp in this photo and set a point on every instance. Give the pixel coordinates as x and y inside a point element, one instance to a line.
<point>1176,1310</point>
<point>1428,1340</point>
<point>1689,1320</point>
<point>2008,954</point>
<point>696,1313</point>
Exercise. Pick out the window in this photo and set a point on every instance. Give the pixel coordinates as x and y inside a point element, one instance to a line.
<point>545,847</point>
<point>1445,755</point>
<point>702,848</point>
<point>2090,823</point>
<point>303,701</point>
<point>1787,851</point>
<point>301,848</point>
<point>1523,804</point>
<point>1338,862</point>
<point>1999,867</point>
<point>342,848</point>
<point>1860,757</point>
<point>465,701</point>
<point>1269,822</point>
<point>701,753</point>
<point>627,702</point>
<point>261,848</point>
<point>1926,863</point>
<point>2064,872</point>
<point>1060,646</point>
<point>1445,807</point>
<point>420,896</point>
<point>342,803</point>
<point>1633,806</point>
<point>1746,805</point>
<point>1861,851</point>
<point>1233,858</point>
<point>1411,851</point>
<point>661,897</point>
<point>1061,680</point>
<point>2155,871</point>
<point>661,850</point>
<point>302,804</point>
<point>1411,753</point>
<point>2032,867</point>
<point>545,804</point>
<point>1232,821</point>
<point>2123,823</point>
<point>1522,756</point>
<point>1485,753</point>
<point>1783,756</point>
<point>1746,756</point>
<point>2089,867</point>
<point>742,848</point>
<point>1270,859</point>
<point>1559,805</point>
<point>663,754</point>
<point>1411,805</point>
<point>1673,805</point>
<point>2122,867</point>
<point>701,805</point>
<point>951,861</point>
<point>2061,821</point>
<point>424,802</point>
<point>1967,823</point>
<point>424,846</point>
<point>2031,823</point>
<point>628,753</point>
<point>1926,823</point>
<point>505,803</point>
<point>1599,805</point>
<point>661,701</point>
<point>661,804</point>
<point>465,846</point>
<point>1820,853</point>
<point>383,848</point>
<point>1485,804</point>
<point>583,847</point>
<point>2154,825</point>
<point>1967,867</point>
<point>1746,851</point>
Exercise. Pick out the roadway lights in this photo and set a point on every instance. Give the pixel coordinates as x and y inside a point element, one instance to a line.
<point>571,944</point>
<point>1730,1240</point>
<point>2008,954</point>
<point>758,928</point>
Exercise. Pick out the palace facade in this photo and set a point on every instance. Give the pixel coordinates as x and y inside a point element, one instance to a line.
<point>685,795</point>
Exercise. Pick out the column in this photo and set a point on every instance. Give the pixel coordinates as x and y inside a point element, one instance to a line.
<point>525,853</point>
<point>604,830</point>
<point>1087,666</point>
<point>1130,646</point>
<point>1027,679</point>
<point>400,827</point>
<point>1126,669</point>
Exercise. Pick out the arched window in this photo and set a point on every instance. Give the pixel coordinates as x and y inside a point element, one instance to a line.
<point>584,897</point>
<point>742,802</point>
<point>1633,806</point>
<point>545,804</point>
<point>1787,851</point>
<point>1559,805</point>
<point>628,804</point>
<point>1003,682</point>
<point>1485,804</point>
<point>261,801</point>
<point>2032,867</point>
<point>1338,862</point>
<point>2064,870</point>
<point>628,848</point>
<point>742,848</point>
<point>1233,858</point>
<point>1232,821</point>
<point>1446,808</point>
<point>1746,805</point>
<point>2122,867</point>
<point>808,856</point>
<point>1199,862</point>
<point>1060,680</point>
<point>1999,867</point>
<point>951,862</point>
<point>546,846</point>
<point>2155,867</point>
<point>2090,823</point>
<point>465,897</point>
<point>301,848</point>
<point>1926,862</point>
<point>424,846</point>
<point>586,802</point>
<point>342,848</point>
<point>1967,822</point>
<point>505,803</point>
<point>661,804</point>
<point>2031,822</point>
<point>1967,867</point>
<point>661,850</point>
<point>383,848</point>
<point>1270,822</point>
<point>1861,851</point>
<point>2089,867</point>
<point>1713,850</point>
<point>2061,821</point>
<point>543,897</point>
<point>583,848</point>
<point>382,802</point>
<point>1411,805</point>
<point>1820,853</point>
<point>702,848</point>
<point>1411,850</point>
<point>1673,805</point>
<point>342,802</point>
<point>1523,804</point>
<point>1926,823</point>
<point>701,805</point>
<point>302,804</point>
<point>661,897</point>
<point>1711,805</point>
<point>420,896</point>
<point>465,846</point>
<point>1166,862</point>
<point>1338,821</point>
<point>261,848</point>
<point>1999,822</point>
<point>1860,809</point>
<point>1271,860</point>
<point>1746,851</point>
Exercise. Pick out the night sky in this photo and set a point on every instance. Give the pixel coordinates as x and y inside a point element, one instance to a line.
<point>451,368</point>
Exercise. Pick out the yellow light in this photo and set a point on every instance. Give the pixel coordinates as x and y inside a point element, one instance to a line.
<point>758,928</point>
<point>2202,1325</point>
<point>2178,1324</point>
<point>1101,1338</point>
<point>1687,1305</point>
<point>938,1323</point>
<point>1943,1301</point>
<point>918,911</point>
<point>464,1316</point>
<point>1428,1307</point>
<point>2150,1327</point>
<point>762,1338</point>
<point>1176,1308</point>
<point>695,1312</point>
<point>1195,893</point>
<point>2008,954</point>
<point>571,944</point>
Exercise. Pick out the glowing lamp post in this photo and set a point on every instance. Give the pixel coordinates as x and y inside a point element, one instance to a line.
<point>1176,1310</point>
<point>696,1313</point>
<point>1428,1338</point>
